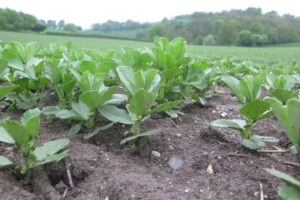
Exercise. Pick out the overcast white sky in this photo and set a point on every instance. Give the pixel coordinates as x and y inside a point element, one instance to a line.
<point>87,12</point>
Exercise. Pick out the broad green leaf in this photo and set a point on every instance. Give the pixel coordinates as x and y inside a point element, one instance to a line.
<point>183,61</point>
<point>284,95</point>
<point>90,82</point>
<point>252,144</point>
<point>15,64</point>
<point>160,58</point>
<point>255,109</point>
<point>6,89</point>
<point>293,109</point>
<point>87,65</point>
<point>94,99</point>
<point>264,138</point>
<point>52,69</point>
<point>75,129</point>
<point>5,137</point>
<point>5,162</point>
<point>289,192</point>
<point>116,99</point>
<point>96,131</point>
<point>139,80</point>
<point>283,176</point>
<point>288,117</point>
<point>31,121</point>
<point>197,98</point>
<point>82,109</point>
<point>148,133</point>
<point>68,114</point>
<point>126,75</point>
<point>166,106</point>
<point>52,158</point>
<point>172,73</point>
<point>234,123</point>
<point>50,148</point>
<point>50,110</point>
<point>17,131</point>
<point>152,80</point>
<point>141,102</point>
<point>233,84</point>
<point>127,59</point>
<point>115,114</point>
<point>250,86</point>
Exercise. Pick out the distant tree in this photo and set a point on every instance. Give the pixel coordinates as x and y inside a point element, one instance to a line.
<point>156,30</point>
<point>259,39</point>
<point>245,38</point>
<point>254,11</point>
<point>198,40</point>
<point>227,34</point>
<point>257,28</point>
<point>39,27</point>
<point>70,27</point>
<point>61,24</point>
<point>209,40</point>
<point>96,27</point>
<point>141,35</point>
<point>272,14</point>
<point>51,24</point>
<point>78,28</point>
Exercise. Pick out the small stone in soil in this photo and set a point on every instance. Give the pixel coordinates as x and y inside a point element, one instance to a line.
<point>224,114</point>
<point>155,154</point>
<point>175,162</point>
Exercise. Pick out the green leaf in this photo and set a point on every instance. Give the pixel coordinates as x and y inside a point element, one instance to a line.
<point>50,110</point>
<point>94,99</point>
<point>289,192</point>
<point>5,137</point>
<point>87,65</point>
<point>252,144</point>
<point>31,121</point>
<point>250,87</point>
<point>116,99</point>
<point>126,75</point>
<point>141,102</point>
<point>17,131</point>
<point>115,114</point>
<point>96,131</point>
<point>172,73</point>
<point>264,138</point>
<point>127,59</point>
<point>197,98</point>
<point>50,148</point>
<point>283,176</point>
<point>166,106</point>
<point>284,95</point>
<point>68,114</point>
<point>4,162</point>
<point>255,109</point>
<point>81,109</point>
<point>6,89</point>
<point>75,129</point>
<point>152,80</point>
<point>148,133</point>
<point>52,158</point>
<point>233,84</point>
<point>234,123</point>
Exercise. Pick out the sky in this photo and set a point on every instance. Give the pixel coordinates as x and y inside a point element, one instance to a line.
<point>84,13</point>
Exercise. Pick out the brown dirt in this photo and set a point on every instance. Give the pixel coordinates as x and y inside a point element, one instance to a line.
<point>103,169</point>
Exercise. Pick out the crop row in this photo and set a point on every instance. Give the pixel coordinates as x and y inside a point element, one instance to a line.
<point>127,87</point>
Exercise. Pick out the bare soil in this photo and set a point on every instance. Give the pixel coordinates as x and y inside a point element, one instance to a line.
<point>103,169</point>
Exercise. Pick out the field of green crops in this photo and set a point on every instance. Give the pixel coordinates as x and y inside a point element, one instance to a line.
<point>129,85</point>
<point>282,54</point>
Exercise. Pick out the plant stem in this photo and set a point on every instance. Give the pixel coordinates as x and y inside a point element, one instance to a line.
<point>246,132</point>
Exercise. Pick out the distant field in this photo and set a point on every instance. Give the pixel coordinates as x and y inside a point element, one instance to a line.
<point>282,54</point>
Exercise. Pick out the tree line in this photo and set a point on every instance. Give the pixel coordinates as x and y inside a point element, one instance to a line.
<point>12,20</point>
<point>248,27</point>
